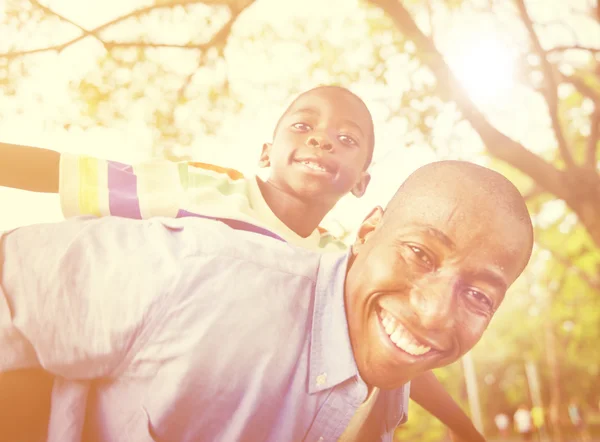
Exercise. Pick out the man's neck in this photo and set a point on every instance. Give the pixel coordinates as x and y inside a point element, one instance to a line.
<point>301,216</point>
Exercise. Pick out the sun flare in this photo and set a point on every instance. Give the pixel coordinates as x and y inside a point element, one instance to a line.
<point>484,67</point>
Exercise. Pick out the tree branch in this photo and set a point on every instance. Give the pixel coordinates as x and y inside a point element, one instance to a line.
<point>582,87</point>
<point>140,44</point>
<point>96,30</point>
<point>49,11</point>
<point>498,144</point>
<point>218,41</point>
<point>551,86</point>
<point>592,282</point>
<point>573,48</point>
<point>592,142</point>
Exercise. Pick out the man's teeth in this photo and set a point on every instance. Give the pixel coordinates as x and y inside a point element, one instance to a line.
<point>400,336</point>
<point>314,166</point>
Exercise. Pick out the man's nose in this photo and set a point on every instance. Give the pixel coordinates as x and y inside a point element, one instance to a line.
<point>435,305</point>
<point>319,141</point>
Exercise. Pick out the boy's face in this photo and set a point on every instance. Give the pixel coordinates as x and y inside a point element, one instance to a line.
<point>423,287</point>
<point>321,146</point>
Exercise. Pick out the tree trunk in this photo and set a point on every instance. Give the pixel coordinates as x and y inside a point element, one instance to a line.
<point>555,389</point>
<point>584,199</point>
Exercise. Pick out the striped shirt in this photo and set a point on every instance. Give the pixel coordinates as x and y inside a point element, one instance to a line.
<point>93,186</point>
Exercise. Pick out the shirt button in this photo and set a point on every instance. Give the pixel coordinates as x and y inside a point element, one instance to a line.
<point>321,439</point>
<point>321,379</point>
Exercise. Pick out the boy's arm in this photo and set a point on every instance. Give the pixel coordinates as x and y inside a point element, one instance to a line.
<point>29,168</point>
<point>428,392</point>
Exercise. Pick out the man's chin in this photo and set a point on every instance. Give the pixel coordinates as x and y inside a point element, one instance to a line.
<point>387,383</point>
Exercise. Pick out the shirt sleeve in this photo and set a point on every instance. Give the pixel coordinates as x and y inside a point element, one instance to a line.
<point>80,297</point>
<point>156,188</point>
<point>94,186</point>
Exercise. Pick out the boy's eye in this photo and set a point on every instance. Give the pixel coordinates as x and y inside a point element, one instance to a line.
<point>301,126</point>
<point>423,256</point>
<point>346,139</point>
<point>479,300</point>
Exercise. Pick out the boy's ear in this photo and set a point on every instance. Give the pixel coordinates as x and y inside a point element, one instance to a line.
<point>360,187</point>
<point>264,160</point>
<point>368,226</point>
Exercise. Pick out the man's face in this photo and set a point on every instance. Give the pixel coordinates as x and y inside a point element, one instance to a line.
<point>423,286</point>
<point>321,146</point>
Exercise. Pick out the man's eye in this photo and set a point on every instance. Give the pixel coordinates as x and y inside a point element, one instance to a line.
<point>346,139</point>
<point>423,256</point>
<point>480,300</point>
<point>301,126</point>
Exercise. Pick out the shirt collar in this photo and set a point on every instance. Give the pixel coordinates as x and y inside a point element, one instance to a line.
<point>260,206</point>
<point>331,358</point>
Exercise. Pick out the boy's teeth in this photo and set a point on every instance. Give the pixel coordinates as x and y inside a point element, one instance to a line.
<point>314,166</point>
<point>400,336</point>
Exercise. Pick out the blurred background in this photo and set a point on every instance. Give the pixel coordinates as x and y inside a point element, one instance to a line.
<point>510,84</point>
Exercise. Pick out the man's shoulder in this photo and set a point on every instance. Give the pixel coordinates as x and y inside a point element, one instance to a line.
<point>244,241</point>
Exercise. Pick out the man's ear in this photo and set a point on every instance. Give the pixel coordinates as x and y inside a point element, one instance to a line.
<point>265,160</point>
<point>368,226</point>
<point>360,187</point>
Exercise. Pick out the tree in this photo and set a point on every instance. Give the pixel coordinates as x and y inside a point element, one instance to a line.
<point>572,173</point>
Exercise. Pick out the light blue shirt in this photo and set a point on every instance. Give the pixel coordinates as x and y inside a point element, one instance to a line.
<point>190,331</point>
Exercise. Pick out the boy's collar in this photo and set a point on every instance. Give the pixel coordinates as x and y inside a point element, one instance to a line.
<point>266,215</point>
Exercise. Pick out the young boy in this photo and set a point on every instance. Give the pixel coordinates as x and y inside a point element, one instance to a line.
<point>321,149</point>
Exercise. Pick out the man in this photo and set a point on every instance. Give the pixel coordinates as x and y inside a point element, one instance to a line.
<point>192,330</point>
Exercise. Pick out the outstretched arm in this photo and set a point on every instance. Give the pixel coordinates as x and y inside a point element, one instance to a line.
<point>428,392</point>
<point>29,168</point>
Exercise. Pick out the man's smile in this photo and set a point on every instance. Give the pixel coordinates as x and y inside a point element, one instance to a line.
<point>400,336</point>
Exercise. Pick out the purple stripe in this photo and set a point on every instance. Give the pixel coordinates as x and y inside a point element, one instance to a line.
<point>122,191</point>
<point>234,224</point>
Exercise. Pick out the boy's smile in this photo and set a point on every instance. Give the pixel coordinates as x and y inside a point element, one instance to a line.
<point>318,166</point>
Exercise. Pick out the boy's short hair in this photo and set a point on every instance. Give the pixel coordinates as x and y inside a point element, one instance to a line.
<point>370,135</point>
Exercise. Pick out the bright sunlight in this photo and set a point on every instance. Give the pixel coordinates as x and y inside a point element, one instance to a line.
<point>484,67</point>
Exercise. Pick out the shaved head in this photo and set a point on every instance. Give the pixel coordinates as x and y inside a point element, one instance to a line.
<point>428,274</point>
<point>485,196</point>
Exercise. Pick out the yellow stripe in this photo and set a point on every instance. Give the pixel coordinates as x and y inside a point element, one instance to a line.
<point>88,186</point>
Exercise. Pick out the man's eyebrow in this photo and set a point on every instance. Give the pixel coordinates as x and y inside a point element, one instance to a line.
<point>493,278</point>
<point>441,236</point>
<point>487,275</point>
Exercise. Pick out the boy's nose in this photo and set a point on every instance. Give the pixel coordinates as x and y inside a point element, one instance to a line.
<point>320,142</point>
